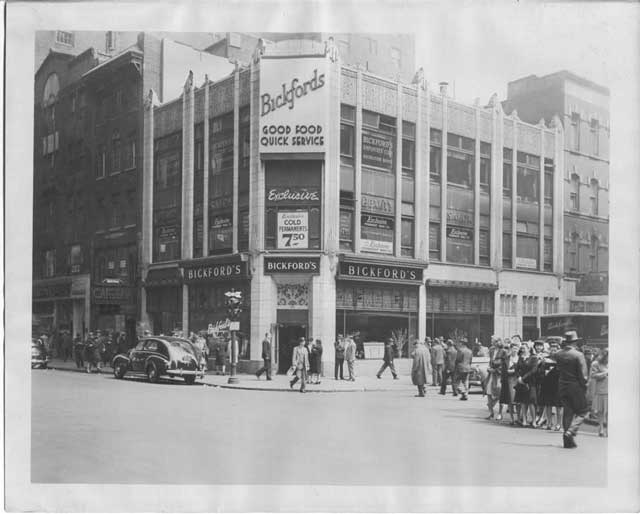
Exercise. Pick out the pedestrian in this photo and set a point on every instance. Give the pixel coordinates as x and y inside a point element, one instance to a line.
<point>89,354</point>
<point>523,389</point>
<point>492,387</point>
<point>339,357</point>
<point>600,377</point>
<point>67,345</point>
<point>463,367</point>
<point>315,361</point>
<point>572,385</point>
<point>266,357</point>
<point>78,350</point>
<point>437,362</point>
<point>549,388</point>
<point>387,359</point>
<point>350,357</point>
<point>419,367</point>
<point>508,378</point>
<point>123,347</point>
<point>220,357</point>
<point>449,369</point>
<point>300,363</point>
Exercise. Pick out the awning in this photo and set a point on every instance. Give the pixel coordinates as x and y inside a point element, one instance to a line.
<point>460,284</point>
<point>163,277</point>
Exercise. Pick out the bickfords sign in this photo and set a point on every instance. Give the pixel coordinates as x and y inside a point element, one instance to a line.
<point>293,104</point>
<point>218,271</point>
<point>309,265</point>
<point>383,272</point>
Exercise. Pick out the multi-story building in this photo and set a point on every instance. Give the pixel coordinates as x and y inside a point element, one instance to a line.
<point>583,108</point>
<point>88,127</point>
<point>340,201</point>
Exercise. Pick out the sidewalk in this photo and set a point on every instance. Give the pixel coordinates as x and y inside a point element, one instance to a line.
<point>281,382</point>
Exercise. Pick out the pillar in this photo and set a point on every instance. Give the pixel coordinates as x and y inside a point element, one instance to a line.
<point>205,187</point>
<point>236,156</point>
<point>322,307</point>
<point>444,179</point>
<point>558,197</point>
<point>397,247</point>
<point>476,189</point>
<point>357,165</point>
<point>496,216</point>
<point>541,199</point>
<point>514,188</point>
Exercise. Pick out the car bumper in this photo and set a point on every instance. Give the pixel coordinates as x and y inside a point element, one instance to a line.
<point>185,373</point>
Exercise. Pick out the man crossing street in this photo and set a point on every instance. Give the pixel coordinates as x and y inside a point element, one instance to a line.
<point>389,354</point>
<point>266,357</point>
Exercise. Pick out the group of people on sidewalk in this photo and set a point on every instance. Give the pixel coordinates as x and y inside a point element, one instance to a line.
<point>306,361</point>
<point>548,385</point>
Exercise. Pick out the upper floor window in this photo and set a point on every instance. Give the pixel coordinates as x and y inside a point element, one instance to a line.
<point>408,147</point>
<point>101,162</point>
<point>50,263</point>
<point>595,188</point>
<point>574,195</point>
<point>435,155</point>
<point>75,258</point>
<point>507,171</point>
<point>593,254</point>
<point>396,57</point>
<point>485,166</point>
<point>528,177</point>
<point>460,160</point>
<point>64,38</point>
<point>595,136</point>
<point>129,154</point>
<point>116,152</point>
<point>575,131</point>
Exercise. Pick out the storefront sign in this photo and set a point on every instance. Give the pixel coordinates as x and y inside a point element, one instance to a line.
<point>167,233</point>
<point>462,234</point>
<point>379,272</point>
<point>293,104</point>
<point>52,291</point>
<point>219,271</point>
<point>377,150</point>
<point>309,265</point>
<point>376,234</point>
<point>305,195</point>
<point>460,218</point>
<point>293,229</point>
<point>525,262</point>
<point>112,295</point>
<point>378,205</point>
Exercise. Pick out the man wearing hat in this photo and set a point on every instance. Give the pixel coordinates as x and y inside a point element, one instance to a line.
<point>389,354</point>
<point>572,387</point>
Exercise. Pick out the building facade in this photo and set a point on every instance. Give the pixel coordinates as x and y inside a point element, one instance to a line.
<point>583,108</point>
<point>340,201</point>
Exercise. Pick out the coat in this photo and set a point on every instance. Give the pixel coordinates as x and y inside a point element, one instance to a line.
<point>300,358</point>
<point>266,349</point>
<point>350,351</point>
<point>450,361</point>
<point>420,366</point>
<point>437,354</point>
<point>339,346</point>
<point>463,360</point>
<point>389,353</point>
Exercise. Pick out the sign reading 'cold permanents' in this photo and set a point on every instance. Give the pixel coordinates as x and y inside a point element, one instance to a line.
<point>293,104</point>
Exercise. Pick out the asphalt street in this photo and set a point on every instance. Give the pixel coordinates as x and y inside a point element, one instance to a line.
<point>96,429</point>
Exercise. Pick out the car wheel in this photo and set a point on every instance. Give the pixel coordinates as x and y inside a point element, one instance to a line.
<point>152,373</point>
<point>190,379</point>
<point>120,370</point>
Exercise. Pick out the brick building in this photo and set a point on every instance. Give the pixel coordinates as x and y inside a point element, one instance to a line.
<point>583,108</point>
<point>325,194</point>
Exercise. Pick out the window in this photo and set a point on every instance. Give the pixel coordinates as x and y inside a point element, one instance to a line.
<point>548,254</point>
<point>575,131</point>
<point>75,258</point>
<point>346,140</point>
<point>528,177</point>
<point>573,253</point>
<point>460,160</point>
<point>49,263</point>
<point>551,305</point>
<point>593,254</point>
<point>117,99</point>
<point>595,136</point>
<point>507,250</point>
<point>116,153</point>
<point>435,157</point>
<point>594,196</point>
<point>574,195</point>
<point>434,241</point>
<point>346,229</point>
<point>406,238</point>
<point>508,304</point>
<point>64,38</point>
<point>110,41</point>
<point>484,248</point>
<point>101,162</point>
<point>396,57</point>
<point>129,158</point>
<point>408,147</point>
<point>530,305</point>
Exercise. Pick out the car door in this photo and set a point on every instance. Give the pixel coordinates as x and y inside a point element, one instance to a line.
<point>137,357</point>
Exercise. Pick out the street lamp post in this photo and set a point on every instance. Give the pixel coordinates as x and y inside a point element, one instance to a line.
<point>233,300</point>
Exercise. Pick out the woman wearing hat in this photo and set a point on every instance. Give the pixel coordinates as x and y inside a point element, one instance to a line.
<point>508,378</point>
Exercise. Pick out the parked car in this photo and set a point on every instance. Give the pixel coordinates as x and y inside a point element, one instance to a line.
<point>161,356</point>
<point>39,358</point>
<point>478,375</point>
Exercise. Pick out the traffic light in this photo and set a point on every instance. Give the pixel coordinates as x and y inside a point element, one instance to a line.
<point>233,301</point>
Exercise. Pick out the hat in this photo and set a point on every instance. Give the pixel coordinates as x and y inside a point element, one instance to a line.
<point>571,336</point>
<point>538,342</point>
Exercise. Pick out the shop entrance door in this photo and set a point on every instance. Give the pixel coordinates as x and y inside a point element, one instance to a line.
<point>288,336</point>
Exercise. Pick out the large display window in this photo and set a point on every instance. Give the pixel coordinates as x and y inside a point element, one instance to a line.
<point>293,195</point>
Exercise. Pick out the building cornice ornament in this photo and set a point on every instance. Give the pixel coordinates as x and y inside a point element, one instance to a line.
<point>150,100</point>
<point>331,50</point>
<point>419,80</point>
<point>188,85</point>
<point>259,51</point>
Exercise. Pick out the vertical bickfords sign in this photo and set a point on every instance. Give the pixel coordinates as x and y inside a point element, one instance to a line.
<point>293,104</point>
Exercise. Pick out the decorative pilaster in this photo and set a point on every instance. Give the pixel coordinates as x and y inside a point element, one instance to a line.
<point>558,196</point>
<point>444,178</point>
<point>188,106</point>
<point>397,247</point>
<point>476,188</point>
<point>357,165</point>
<point>236,156</point>
<point>205,199</point>
<point>496,207</point>
<point>514,189</point>
<point>541,198</point>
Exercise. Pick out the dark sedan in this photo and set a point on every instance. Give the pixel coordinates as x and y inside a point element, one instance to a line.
<point>156,357</point>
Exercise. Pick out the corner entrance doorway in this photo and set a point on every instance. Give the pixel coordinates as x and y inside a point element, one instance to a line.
<point>288,336</point>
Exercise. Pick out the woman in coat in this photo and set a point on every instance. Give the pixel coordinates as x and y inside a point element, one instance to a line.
<point>527,380</point>
<point>508,378</point>
<point>315,361</point>
<point>549,388</point>
<point>420,366</point>
<point>493,380</point>
<point>600,377</point>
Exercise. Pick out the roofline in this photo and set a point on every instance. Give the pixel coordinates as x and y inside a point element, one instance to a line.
<point>53,52</point>
<point>566,75</point>
<point>131,51</point>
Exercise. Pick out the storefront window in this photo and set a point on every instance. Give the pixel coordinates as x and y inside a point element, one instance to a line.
<point>293,205</point>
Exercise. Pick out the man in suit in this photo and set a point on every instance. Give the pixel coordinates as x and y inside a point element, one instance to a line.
<point>339,357</point>
<point>389,354</point>
<point>449,368</point>
<point>572,387</point>
<point>266,357</point>
<point>350,357</point>
<point>463,366</point>
<point>300,362</point>
<point>437,362</point>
